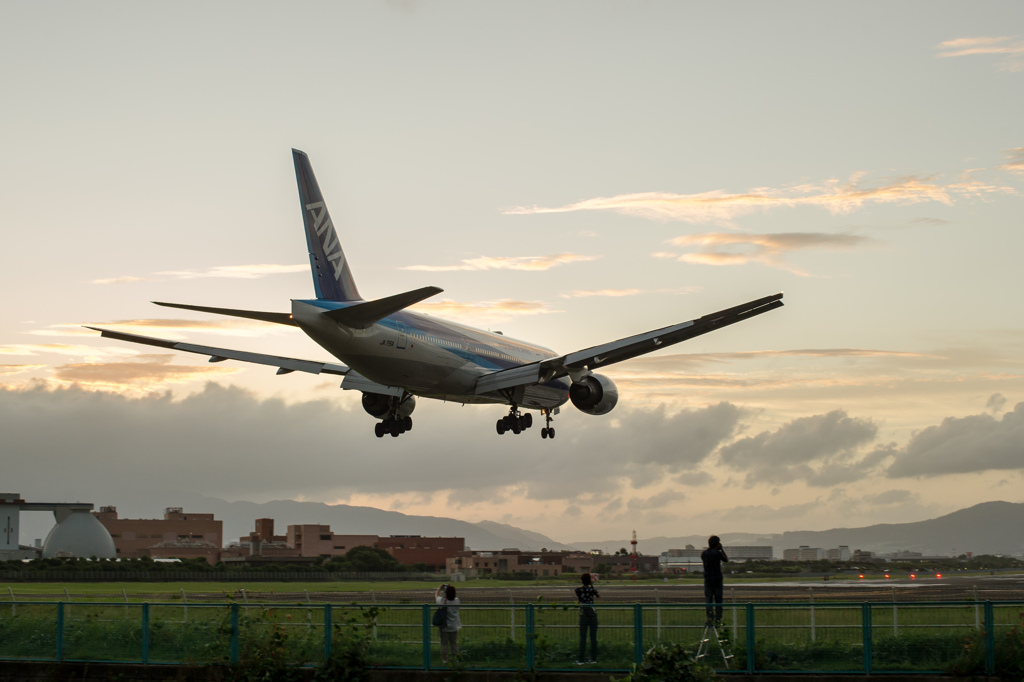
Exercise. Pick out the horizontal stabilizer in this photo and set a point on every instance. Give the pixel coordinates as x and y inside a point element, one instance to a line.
<point>363,315</point>
<point>221,354</point>
<point>276,318</point>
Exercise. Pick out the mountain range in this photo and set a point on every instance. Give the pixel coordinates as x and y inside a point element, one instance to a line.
<point>986,528</point>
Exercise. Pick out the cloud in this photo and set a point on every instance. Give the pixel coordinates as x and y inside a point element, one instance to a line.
<point>484,311</point>
<point>618,293</point>
<point>230,327</point>
<point>821,450</point>
<point>226,442</point>
<point>219,272</point>
<point>721,207</point>
<point>526,263</point>
<point>1010,47</point>
<point>1016,162</point>
<point>962,445</point>
<point>996,403</point>
<point>718,248</point>
<point>63,349</point>
<point>146,372</point>
<point>8,370</point>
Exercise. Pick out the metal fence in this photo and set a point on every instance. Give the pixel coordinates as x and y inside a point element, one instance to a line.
<point>823,637</point>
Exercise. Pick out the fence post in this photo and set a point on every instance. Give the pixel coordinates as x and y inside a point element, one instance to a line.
<point>750,638</point>
<point>657,600</point>
<point>145,633</point>
<point>234,633</point>
<point>865,610</point>
<point>328,632</point>
<point>732,596</point>
<point>425,614</point>
<point>990,639</point>
<point>895,615</point>
<point>530,637</point>
<point>977,614</point>
<point>60,632</point>
<point>512,615</point>
<point>638,634</point>
<point>14,608</point>
<point>810,591</point>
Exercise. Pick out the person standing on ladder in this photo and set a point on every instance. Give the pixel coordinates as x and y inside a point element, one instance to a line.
<point>714,582</point>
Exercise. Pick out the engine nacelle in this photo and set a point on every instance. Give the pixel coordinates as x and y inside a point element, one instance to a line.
<point>379,405</point>
<point>594,394</point>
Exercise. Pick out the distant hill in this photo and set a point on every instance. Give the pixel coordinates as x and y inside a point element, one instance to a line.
<point>239,519</point>
<point>986,528</point>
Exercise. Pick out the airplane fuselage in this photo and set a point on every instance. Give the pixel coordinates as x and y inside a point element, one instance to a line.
<point>427,356</point>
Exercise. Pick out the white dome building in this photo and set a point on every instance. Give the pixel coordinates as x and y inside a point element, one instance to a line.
<point>79,534</point>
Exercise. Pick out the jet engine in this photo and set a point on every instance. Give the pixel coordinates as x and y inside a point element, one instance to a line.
<point>594,394</point>
<point>379,405</point>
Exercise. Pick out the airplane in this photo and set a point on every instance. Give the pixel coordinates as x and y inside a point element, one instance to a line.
<point>393,355</point>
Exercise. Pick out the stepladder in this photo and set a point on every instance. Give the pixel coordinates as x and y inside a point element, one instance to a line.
<point>705,649</point>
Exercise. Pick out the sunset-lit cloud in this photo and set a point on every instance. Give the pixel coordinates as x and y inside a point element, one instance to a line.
<point>722,207</point>
<point>484,310</point>
<point>724,248</point>
<point>1011,48</point>
<point>618,293</point>
<point>66,349</point>
<point>218,272</point>
<point>1015,163</point>
<point>148,372</point>
<point>231,327</point>
<point>9,370</point>
<point>528,263</point>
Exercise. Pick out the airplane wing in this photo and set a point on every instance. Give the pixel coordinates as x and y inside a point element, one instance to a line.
<point>284,365</point>
<point>623,349</point>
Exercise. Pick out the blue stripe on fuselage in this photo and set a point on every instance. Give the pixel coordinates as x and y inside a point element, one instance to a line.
<point>518,352</point>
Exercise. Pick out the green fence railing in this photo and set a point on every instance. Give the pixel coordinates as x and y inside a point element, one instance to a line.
<point>821,637</point>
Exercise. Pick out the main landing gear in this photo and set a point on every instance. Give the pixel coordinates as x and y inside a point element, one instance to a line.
<point>392,424</point>
<point>514,422</point>
<point>517,423</point>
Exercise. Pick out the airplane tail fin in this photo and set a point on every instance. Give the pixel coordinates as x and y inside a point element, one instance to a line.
<point>332,277</point>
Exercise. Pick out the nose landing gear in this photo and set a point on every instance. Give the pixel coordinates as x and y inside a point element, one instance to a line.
<point>549,430</point>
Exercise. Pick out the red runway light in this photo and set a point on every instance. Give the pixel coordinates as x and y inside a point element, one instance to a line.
<point>862,576</point>
<point>938,575</point>
<point>886,576</point>
<point>913,577</point>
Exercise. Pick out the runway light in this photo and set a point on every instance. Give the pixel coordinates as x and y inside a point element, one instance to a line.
<point>886,576</point>
<point>913,576</point>
<point>938,575</point>
<point>862,576</point>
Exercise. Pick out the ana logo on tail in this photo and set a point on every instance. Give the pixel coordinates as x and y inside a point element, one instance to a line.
<point>328,238</point>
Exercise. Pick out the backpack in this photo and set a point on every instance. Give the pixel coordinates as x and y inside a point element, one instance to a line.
<point>440,618</point>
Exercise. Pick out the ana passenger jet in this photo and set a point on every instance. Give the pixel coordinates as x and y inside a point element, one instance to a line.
<point>393,355</point>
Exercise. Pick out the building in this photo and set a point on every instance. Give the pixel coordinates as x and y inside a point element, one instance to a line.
<point>543,564</point>
<point>803,553</point>
<point>840,553</point>
<point>77,533</point>
<point>688,560</point>
<point>411,550</point>
<point>178,535</point>
<point>319,540</point>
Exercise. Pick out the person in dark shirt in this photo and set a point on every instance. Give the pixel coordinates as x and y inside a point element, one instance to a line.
<point>588,619</point>
<point>714,583</point>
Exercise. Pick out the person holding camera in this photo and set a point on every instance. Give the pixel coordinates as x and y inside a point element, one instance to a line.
<point>585,594</point>
<point>714,582</point>
<point>445,596</point>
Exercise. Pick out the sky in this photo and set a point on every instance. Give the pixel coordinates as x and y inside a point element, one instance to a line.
<point>569,173</point>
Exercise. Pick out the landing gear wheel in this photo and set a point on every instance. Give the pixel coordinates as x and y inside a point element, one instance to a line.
<point>551,433</point>
<point>396,429</point>
<point>501,427</point>
<point>407,423</point>
<point>516,428</point>
<point>378,429</point>
<point>544,432</point>
<point>527,420</point>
